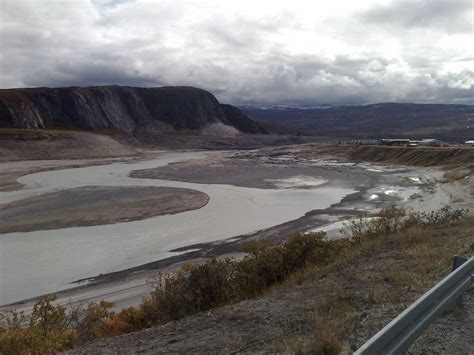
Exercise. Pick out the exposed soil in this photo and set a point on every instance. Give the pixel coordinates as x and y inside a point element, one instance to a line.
<point>25,152</point>
<point>453,333</point>
<point>189,140</point>
<point>93,205</point>
<point>17,144</point>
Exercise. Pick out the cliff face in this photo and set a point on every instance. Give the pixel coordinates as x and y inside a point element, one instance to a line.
<point>121,108</point>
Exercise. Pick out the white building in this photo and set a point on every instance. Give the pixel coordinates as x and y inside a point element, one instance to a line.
<point>470,143</point>
<point>431,143</point>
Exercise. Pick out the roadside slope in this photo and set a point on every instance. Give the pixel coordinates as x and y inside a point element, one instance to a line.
<point>338,306</point>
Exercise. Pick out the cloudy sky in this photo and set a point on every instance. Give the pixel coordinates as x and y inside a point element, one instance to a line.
<point>329,51</point>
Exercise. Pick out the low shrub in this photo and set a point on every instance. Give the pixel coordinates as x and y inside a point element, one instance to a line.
<point>127,320</point>
<point>201,287</point>
<point>393,219</point>
<point>45,331</point>
<point>93,322</point>
<point>192,289</point>
<point>443,215</point>
<point>266,264</point>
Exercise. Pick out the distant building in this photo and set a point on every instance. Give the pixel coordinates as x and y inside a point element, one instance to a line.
<point>365,142</point>
<point>431,143</point>
<point>395,142</point>
<point>470,143</point>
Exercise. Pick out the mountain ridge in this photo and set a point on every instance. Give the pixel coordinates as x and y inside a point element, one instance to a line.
<point>122,108</point>
<point>381,120</point>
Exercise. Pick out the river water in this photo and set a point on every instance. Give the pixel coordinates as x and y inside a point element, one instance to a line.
<point>39,262</point>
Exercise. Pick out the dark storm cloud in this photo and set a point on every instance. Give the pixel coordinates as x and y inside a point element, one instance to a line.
<point>87,74</point>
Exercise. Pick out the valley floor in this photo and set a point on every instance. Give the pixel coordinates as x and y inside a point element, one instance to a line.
<point>369,287</point>
<point>285,169</point>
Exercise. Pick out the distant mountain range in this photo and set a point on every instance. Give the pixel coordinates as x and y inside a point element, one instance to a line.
<point>446,122</point>
<point>124,109</point>
<point>287,107</point>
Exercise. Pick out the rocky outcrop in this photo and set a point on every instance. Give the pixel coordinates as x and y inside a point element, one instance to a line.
<point>121,108</point>
<point>235,117</point>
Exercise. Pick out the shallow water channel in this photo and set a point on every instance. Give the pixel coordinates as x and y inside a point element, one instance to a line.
<point>39,262</point>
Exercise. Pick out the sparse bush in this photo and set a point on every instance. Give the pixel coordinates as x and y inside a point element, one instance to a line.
<point>260,269</point>
<point>197,288</point>
<point>50,329</point>
<point>268,264</point>
<point>311,249</point>
<point>44,332</point>
<point>388,220</point>
<point>443,215</point>
<point>127,320</point>
<point>357,227</point>
<point>93,323</point>
<point>393,219</point>
<point>192,289</point>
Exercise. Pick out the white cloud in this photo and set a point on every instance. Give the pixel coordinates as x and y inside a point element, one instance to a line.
<point>246,51</point>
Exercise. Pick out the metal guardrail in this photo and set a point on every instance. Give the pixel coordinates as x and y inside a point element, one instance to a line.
<point>397,336</point>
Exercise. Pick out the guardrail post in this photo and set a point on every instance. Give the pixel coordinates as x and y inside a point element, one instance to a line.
<point>457,262</point>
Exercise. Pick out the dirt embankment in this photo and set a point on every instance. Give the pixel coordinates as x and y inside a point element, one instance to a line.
<point>190,140</point>
<point>23,144</point>
<point>35,144</point>
<point>27,151</point>
<point>419,156</point>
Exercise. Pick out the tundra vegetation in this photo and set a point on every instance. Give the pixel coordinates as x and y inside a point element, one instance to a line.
<point>201,287</point>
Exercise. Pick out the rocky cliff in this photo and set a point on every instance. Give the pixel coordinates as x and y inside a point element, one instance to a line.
<point>122,108</point>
